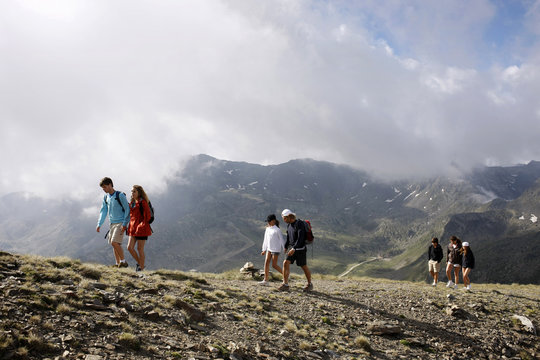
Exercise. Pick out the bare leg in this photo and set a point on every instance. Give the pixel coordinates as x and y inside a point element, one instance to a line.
<point>466,280</point>
<point>131,249</point>
<point>456,273</point>
<point>142,256</point>
<point>118,252</point>
<point>449,268</point>
<point>275,265</point>
<point>286,271</point>
<point>267,258</point>
<point>307,273</point>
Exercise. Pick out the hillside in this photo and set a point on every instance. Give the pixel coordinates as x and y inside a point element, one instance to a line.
<point>211,219</point>
<point>65,309</point>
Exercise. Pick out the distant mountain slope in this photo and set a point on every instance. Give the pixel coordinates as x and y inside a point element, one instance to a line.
<point>211,218</point>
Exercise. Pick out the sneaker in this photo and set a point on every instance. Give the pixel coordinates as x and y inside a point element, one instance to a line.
<point>263,283</point>
<point>308,287</point>
<point>450,284</point>
<point>137,268</point>
<point>455,286</point>
<point>469,287</point>
<point>123,264</point>
<point>114,265</point>
<point>434,284</point>
<point>284,287</point>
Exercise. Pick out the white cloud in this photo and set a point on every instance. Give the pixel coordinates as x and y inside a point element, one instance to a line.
<point>130,89</point>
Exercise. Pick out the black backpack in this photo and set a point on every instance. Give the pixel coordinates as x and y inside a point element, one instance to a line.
<point>151,212</point>
<point>116,194</point>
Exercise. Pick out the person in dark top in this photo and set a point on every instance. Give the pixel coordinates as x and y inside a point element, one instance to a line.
<point>453,261</point>
<point>296,239</point>
<point>467,264</point>
<point>435,255</point>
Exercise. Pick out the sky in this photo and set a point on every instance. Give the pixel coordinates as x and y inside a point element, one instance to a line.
<point>131,89</point>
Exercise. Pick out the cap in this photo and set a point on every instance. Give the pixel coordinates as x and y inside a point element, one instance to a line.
<point>286,212</point>
<point>465,244</point>
<point>270,217</point>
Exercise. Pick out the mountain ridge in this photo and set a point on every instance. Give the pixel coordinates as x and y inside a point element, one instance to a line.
<point>211,218</point>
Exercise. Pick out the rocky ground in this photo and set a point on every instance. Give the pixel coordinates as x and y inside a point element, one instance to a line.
<point>63,309</point>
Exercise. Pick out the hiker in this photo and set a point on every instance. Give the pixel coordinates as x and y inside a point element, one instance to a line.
<point>435,255</point>
<point>467,264</point>
<point>273,245</point>
<point>296,238</point>
<point>116,205</point>
<point>139,225</point>
<point>453,261</point>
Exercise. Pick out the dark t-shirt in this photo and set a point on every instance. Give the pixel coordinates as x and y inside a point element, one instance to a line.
<point>296,235</point>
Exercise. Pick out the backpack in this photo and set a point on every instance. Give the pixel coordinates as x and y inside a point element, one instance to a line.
<point>116,194</point>
<point>309,233</point>
<point>151,212</point>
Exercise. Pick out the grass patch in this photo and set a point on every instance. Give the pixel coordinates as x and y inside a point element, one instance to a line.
<point>64,309</point>
<point>129,341</point>
<point>362,342</point>
<point>172,275</point>
<point>90,272</point>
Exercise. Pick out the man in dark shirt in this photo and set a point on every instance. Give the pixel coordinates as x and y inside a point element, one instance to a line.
<point>296,239</point>
<point>435,255</point>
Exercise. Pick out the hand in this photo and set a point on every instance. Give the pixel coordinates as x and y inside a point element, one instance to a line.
<point>97,229</point>
<point>124,229</point>
<point>264,252</point>
<point>291,252</point>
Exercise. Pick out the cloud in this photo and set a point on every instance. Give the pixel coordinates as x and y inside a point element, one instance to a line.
<point>130,89</point>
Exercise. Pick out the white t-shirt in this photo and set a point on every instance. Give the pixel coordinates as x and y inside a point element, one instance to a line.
<point>273,240</point>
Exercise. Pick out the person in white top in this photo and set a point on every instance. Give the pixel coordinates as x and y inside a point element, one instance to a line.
<point>273,245</point>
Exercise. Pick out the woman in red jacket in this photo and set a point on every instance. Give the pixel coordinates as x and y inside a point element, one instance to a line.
<point>139,227</point>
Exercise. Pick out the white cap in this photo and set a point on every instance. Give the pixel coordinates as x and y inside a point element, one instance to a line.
<point>465,244</point>
<point>287,212</point>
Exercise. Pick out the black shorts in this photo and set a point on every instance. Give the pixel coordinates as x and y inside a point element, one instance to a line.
<point>141,237</point>
<point>299,256</point>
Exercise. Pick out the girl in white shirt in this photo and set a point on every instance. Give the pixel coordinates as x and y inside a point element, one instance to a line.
<point>272,246</point>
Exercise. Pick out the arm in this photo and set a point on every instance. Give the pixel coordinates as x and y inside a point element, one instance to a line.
<point>127,209</point>
<point>102,213</point>
<point>265,242</point>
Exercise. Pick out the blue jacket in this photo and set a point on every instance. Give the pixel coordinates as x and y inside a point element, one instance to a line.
<point>111,206</point>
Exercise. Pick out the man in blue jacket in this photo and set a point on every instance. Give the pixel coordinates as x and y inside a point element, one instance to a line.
<point>116,205</point>
<point>296,239</point>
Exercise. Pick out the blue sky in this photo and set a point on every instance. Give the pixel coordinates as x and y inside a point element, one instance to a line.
<point>400,89</point>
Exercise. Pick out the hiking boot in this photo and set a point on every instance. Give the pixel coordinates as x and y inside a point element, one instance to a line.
<point>123,264</point>
<point>283,287</point>
<point>308,287</point>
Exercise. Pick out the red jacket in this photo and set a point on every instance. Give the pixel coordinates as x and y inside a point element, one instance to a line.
<point>138,219</point>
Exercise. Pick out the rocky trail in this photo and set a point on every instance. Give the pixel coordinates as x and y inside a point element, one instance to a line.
<point>63,309</point>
